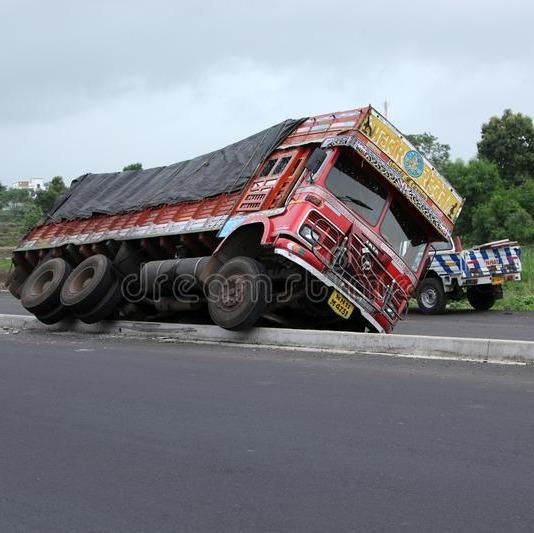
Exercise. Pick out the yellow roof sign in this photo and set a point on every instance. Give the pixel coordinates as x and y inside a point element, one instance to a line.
<point>416,169</point>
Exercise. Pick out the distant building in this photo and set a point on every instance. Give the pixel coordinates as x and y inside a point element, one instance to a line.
<point>34,185</point>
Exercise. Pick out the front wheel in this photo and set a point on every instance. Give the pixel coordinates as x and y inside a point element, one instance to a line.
<point>238,293</point>
<point>481,298</point>
<point>431,297</point>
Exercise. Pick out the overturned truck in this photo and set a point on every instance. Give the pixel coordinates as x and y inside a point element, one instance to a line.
<point>318,222</point>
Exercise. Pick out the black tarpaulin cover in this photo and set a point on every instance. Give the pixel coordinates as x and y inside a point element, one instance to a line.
<point>223,170</point>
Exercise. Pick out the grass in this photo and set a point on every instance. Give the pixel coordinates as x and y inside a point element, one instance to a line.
<point>5,264</point>
<point>10,233</point>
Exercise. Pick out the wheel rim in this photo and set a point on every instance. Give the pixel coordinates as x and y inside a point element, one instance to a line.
<point>232,293</point>
<point>43,282</point>
<point>429,298</point>
<point>82,280</point>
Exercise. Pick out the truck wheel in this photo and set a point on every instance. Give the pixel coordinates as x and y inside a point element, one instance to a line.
<point>16,280</point>
<point>103,309</point>
<point>431,297</point>
<point>238,293</point>
<point>54,316</point>
<point>481,298</point>
<point>40,292</point>
<point>88,283</point>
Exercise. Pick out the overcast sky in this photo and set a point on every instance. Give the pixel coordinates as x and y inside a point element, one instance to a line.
<point>89,86</point>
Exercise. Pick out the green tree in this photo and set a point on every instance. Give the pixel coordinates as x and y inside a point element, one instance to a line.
<point>17,196</point>
<point>525,196</point>
<point>14,201</point>
<point>502,216</point>
<point>30,216</point>
<point>508,141</point>
<point>2,196</point>
<point>477,181</point>
<point>46,199</point>
<point>133,166</point>
<point>437,153</point>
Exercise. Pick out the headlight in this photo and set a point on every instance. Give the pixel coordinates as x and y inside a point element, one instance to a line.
<point>309,234</point>
<point>391,312</point>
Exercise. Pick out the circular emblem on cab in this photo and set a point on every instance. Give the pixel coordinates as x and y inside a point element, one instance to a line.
<point>414,163</point>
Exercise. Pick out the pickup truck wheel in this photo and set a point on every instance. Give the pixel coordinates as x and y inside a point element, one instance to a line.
<point>40,292</point>
<point>481,298</point>
<point>88,283</point>
<point>103,309</point>
<point>238,293</point>
<point>431,297</point>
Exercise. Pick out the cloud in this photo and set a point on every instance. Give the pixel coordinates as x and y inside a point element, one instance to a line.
<point>95,85</point>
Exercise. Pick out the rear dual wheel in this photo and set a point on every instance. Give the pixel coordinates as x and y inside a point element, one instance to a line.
<point>53,316</point>
<point>105,308</point>
<point>16,279</point>
<point>92,291</point>
<point>40,293</point>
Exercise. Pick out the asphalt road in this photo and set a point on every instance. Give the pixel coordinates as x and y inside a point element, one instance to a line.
<point>103,434</point>
<point>485,325</point>
<point>488,325</point>
<point>10,305</point>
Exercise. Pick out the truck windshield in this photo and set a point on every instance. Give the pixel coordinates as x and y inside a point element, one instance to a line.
<point>358,189</point>
<point>402,232</point>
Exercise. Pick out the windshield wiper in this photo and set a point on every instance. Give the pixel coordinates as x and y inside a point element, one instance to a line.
<point>355,201</point>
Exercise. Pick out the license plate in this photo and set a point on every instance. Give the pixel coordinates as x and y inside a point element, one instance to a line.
<point>497,280</point>
<point>340,305</point>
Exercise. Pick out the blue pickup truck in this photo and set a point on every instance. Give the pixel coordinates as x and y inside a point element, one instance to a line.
<point>477,273</point>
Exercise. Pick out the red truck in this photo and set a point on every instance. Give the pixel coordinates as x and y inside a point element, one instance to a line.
<point>311,222</point>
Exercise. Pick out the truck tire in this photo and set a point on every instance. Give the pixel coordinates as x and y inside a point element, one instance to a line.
<point>105,307</point>
<point>88,283</point>
<point>481,298</point>
<point>238,293</point>
<point>16,280</point>
<point>431,297</point>
<point>54,316</point>
<point>40,292</point>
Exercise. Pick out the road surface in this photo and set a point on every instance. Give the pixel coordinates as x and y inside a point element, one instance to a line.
<point>488,325</point>
<point>104,434</point>
<point>485,325</point>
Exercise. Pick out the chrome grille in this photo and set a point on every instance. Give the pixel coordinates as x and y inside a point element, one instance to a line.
<point>354,266</point>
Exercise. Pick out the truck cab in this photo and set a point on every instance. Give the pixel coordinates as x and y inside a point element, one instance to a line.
<point>353,231</point>
<point>353,219</point>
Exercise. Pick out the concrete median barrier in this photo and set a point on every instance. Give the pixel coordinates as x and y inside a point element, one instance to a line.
<point>499,351</point>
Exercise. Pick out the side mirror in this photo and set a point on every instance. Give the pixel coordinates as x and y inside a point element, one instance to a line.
<point>430,257</point>
<point>315,161</point>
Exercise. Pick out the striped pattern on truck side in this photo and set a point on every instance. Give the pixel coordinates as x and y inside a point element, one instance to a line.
<point>478,262</point>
